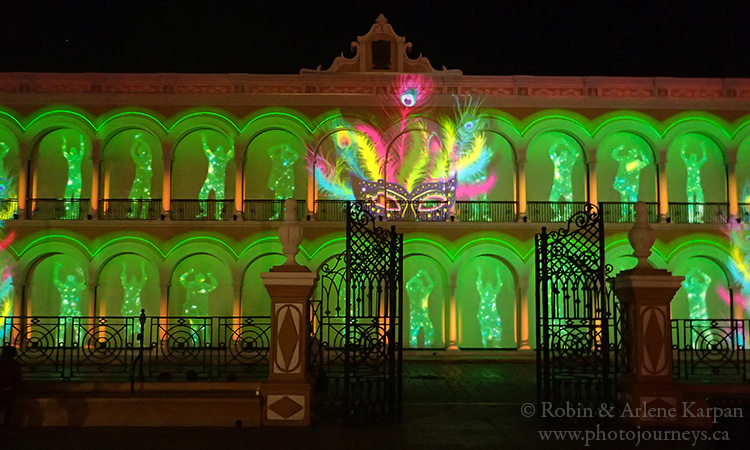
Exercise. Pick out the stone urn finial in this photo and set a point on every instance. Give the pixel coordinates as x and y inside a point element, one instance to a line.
<point>290,232</point>
<point>641,236</point>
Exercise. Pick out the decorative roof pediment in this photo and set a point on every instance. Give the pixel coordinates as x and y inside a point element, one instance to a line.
<point>381,50</point>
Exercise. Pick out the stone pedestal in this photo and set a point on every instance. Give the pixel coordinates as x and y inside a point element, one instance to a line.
<point>286,394</point>
<point>645,295</point>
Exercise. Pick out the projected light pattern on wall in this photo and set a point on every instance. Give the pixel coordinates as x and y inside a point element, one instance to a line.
<point>215,176</point>
<point>419,288</point>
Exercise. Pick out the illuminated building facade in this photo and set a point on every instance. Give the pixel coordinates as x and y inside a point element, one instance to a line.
<point>164,190</point>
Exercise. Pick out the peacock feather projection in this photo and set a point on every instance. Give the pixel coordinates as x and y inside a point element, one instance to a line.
<point>6,274</point>
<point>416,159</point>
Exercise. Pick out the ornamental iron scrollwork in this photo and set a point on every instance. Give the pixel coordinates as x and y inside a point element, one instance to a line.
<point>355,352</point>
<point>578,324</point>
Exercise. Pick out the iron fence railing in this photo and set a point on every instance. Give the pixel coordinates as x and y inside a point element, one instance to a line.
<point>9,209</point>
<point>201,210</point>
<point>331,210</point>
<point>109,349</point>
<point>58,209</point>
<point>708,349</point>
<point>125,209</point>
<point>552,211</point>
<point>621,212</point>
<point>698,212</point>
<point>271,210</point>
<point>469,211</point>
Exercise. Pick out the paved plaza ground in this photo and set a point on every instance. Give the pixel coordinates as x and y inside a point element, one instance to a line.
<point>462,404</point>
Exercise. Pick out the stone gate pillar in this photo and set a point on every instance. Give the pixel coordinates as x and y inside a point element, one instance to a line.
<point>286,394</point>
<point>645,294</point>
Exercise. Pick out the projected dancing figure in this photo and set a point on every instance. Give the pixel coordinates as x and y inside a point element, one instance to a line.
<point>215,177</point>
<point>419,288</point>
<point>693,185</point>
<point>196,299</point>
<point>489,318</point>
<point>71,289</point>
<point>140,192</point>
<point>74,156</point>
<point>627,180</point>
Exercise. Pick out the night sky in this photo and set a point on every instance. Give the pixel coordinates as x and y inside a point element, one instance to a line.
<point>707,39</point>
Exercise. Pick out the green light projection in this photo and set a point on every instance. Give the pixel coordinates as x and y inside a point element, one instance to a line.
<point>281,178</point>
<point>131,300</point>
<point>71,288</point>
<point>419,288</point>
<point>215,176</point>
<point>694,188</point>
<point>74,157</point>
<point>140,192</point>
<point>489,319</point>
<point>197,286</point>
<point>627,181</point>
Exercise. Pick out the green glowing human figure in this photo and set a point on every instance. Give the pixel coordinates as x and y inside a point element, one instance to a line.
<point>131,300</point>
<point>693,185</point>
<point>696,285</point>
<point>562,184</point>
<point>198,287</point>
<point>71,288</point>
<point>74,156</point>
<point>140,192</point>
<point>281,178</point>
<point>215,177</point>
<point>489,319</point>
<point>419,288</point>
<point>627,180</point>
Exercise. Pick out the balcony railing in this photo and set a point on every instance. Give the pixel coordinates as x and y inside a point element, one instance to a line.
<point>123,209</point>
<point>698,212</point>
<point>271,210</point>
<point>58,209</point>
<point>552,211</point>
<point>710,349</point>
<point>330,210</point>
<point>201,210</point>
<point>108,348</point>
<point>619,212</point>
<point>467,211</point>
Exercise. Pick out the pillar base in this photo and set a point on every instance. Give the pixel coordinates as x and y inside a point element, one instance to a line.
<point>286,404</point>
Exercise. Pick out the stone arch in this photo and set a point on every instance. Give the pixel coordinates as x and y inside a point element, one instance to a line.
<point>37,266</point>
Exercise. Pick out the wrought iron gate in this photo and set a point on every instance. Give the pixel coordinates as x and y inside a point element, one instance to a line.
<point>578,325</point>
<point>356,322</point>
